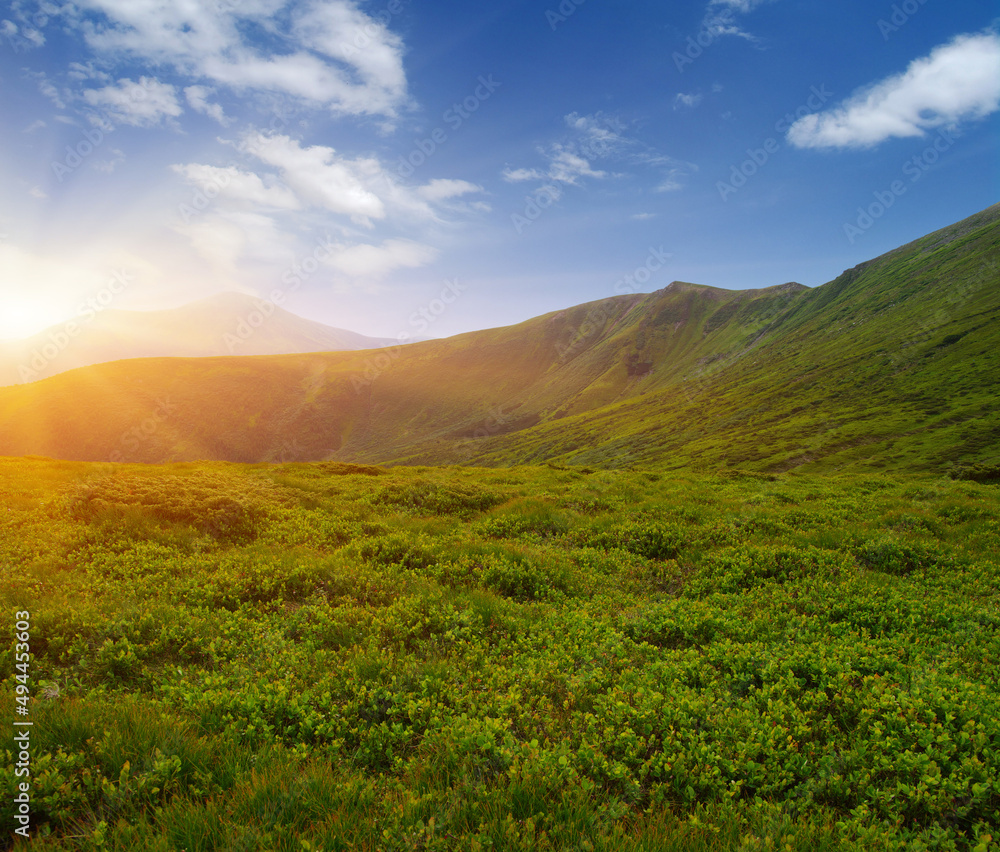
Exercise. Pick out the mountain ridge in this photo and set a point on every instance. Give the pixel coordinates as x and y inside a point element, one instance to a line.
<point>891,364</point>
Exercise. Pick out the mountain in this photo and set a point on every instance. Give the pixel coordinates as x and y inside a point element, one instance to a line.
<point>223,324</point>
<point>894,364</point>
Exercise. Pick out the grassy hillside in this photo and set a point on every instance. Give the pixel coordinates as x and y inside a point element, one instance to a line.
<point>892,365</point>
<point>330,657</point>
<point>377,404</point>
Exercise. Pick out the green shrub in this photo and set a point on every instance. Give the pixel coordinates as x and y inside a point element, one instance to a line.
<point>891,556</point>
<point>377,663</point>
<point>218,506</point>
<point>976,472</point>
<point>395,549</point>
<point>650,538</point>
<point>735,569</point>
<point>431,498</point>
<point>514,576</point>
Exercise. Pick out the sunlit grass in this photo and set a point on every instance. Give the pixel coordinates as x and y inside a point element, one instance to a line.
<point>296,657</point>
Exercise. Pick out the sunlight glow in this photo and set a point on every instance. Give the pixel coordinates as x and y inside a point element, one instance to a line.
<point>21,318</point>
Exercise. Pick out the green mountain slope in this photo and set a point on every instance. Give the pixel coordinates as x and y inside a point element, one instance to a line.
<point>438,396</point>
<point>895,363</point>
<point>891,364</point>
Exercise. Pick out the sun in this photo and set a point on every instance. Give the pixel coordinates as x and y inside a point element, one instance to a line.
<point>21,318</point>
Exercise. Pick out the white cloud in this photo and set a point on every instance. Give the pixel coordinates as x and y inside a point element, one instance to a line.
<point>600,133</point>
<point>117,158</point>
<point>345,33</point>
<point>332,54</point>
<point>47,88</point>
<point>567,166</point>
<point>371,261</point>
<point>81,71</point>
<point>359,187</point>
<point>23,36</point>
<point>720,17</point>
<point>593,138</point>
<point>37,192</point>
<point>197,97</point>
<point>669,184</point>
<point>228,240</point>
<point>52,93</point>
<point>322,178</point>
<point>243,187</point>
<point>296,186</point>
<point>642,217</point>
<point>141,104</point>
<point>518,175</point>
<point>958,81</point>
<point>742,6</point>
<point>442,189</point>
<point>35,125</point>
<point>687,100</point>
<point>220,242</point>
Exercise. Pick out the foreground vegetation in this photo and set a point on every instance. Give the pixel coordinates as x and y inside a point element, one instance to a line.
<point>331,657</point>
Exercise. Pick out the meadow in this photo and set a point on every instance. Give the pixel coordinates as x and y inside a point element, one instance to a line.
<point>325,656</point>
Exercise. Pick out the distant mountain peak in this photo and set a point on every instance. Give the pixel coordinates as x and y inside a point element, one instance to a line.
<point>687,287</point>
<point>226,298</point>
<point>226,323</point>
<point>684,286</point>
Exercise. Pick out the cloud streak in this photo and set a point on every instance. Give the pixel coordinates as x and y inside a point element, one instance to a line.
<point>721,17</point>
<point>207,42</point>
<point>595,138</point>
<point>142,104</point>
<point>291,188</point>
<point>958,81</point>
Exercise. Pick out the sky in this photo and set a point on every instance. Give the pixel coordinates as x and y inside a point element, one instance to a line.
<point>429,167</point>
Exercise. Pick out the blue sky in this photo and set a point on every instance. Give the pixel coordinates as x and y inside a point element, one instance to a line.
<point>353,160</point>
